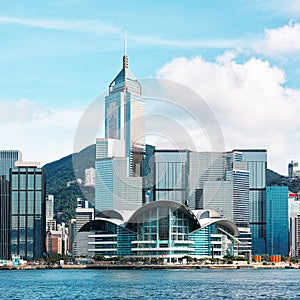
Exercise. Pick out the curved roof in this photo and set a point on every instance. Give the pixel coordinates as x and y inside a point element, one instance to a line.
<point>129,219</point>
<point>97,224</point>
<point>131,224</point>
<point>227,225</point>
<point>123,215</point>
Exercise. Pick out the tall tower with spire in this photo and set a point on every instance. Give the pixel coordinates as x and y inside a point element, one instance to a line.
<point>119,156</point>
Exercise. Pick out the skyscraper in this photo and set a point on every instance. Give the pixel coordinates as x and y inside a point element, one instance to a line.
<point>119,156</point>
<point>220,181</point>
<point>256,160</point>
<point>27,189</point>
<point>277,220</point>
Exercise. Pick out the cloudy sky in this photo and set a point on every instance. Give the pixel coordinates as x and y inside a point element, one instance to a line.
<point>241,57</point>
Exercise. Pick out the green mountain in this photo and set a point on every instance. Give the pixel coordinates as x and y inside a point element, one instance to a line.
<point>61,181</point>
<point>274,178</point>
<point>61,172</point>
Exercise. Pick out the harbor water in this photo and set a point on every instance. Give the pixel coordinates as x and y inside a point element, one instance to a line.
<point>150,284</point>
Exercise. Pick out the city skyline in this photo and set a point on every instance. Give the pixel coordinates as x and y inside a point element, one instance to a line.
<point>57,58</point>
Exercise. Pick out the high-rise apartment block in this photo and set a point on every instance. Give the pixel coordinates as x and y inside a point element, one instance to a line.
<point>49,207</point>
<point>50,221</point>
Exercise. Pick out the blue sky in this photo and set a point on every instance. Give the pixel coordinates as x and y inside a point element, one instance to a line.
<point>57,56</point>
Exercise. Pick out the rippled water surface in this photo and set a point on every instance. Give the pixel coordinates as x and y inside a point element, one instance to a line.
<point>150,284</point>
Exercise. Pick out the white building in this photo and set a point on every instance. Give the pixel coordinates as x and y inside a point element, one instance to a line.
<point>294,217</point>
<point>89,177</point>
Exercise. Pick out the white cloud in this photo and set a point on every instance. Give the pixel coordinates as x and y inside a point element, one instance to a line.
<point>280,41</point>
<point>40,133</point>
<point>253,107</point>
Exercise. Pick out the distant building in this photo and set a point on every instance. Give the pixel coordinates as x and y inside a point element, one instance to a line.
<point>49,207</point>
<point>293,170</point>
<point>27,189</point>
<point>72,235</point>
<point>54,243</point>
<point>89,177</point>
<point>57,241</point>
<point>84,214</point>
<point>294,226</point>
<point>50,221</point>
<point>277,220</point>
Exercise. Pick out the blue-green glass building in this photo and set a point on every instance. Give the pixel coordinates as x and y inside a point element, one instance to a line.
<point>277,219</point>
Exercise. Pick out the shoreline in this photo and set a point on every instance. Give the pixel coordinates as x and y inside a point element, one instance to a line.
<point>150,267</point>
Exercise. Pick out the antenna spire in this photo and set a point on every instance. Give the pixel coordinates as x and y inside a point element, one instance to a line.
<point>125,57</point>
<point>125,42</point>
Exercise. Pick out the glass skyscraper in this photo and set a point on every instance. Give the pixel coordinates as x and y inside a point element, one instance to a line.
<point>8,158</point>
<point>256,160</point>
<point>277,220</point>
<point>27,188</point>
<point>119,156</point>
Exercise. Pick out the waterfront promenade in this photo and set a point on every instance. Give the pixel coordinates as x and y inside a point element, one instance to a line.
<point>105,266</point>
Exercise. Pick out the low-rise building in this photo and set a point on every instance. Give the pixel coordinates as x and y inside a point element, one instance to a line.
<point>160,229</point>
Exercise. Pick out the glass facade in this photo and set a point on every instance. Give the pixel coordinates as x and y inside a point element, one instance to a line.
<point>161,229</point>
<point>114,189</point>
<point>103,237</point>
<point>218,195</point>
<point>241,214</point>
<point>27,186</point>
<point>7,161</point>
<point>220,181</point>
<point>170,175</point>
<point>257,166</point>
<point>277,230</point>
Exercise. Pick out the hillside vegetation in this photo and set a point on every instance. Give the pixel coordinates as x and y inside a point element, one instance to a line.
<point>61,172</point>
<point>274,178</point>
